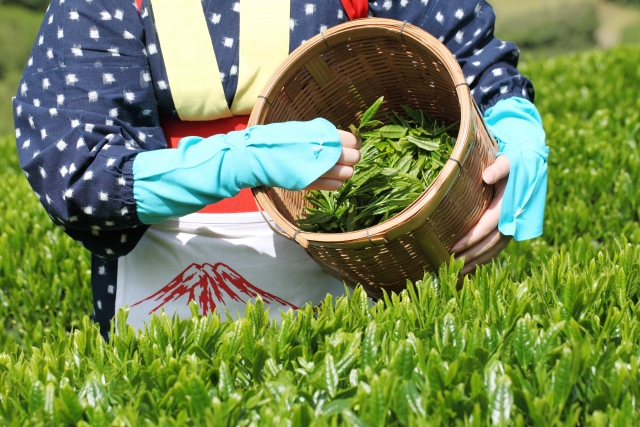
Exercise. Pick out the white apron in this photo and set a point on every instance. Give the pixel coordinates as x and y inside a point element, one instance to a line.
<point>219,261</point>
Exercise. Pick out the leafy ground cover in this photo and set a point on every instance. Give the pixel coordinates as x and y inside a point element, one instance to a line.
<point>548,335</point>
<point>547,27</point>
<point>18,29</point>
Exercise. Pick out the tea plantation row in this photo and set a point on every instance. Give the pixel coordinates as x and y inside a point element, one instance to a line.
<point>548,335</point>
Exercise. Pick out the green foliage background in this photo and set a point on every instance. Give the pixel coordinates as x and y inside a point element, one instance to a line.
<point>545,27</point>
<point>29,4</point>
<point>18,28</point>
<point>632,2</point>
<point>548,335</point>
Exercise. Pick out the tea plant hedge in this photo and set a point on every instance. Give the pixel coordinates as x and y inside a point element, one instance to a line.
<point>546,336</point>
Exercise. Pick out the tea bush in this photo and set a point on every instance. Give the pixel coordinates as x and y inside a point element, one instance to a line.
<point>40,5</point>
<point>546,27</point>
<point>18,29</point>
<point>546,336</point>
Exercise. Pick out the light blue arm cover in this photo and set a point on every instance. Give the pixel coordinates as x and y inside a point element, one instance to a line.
<point>177,182</point>
<point>517,126</point>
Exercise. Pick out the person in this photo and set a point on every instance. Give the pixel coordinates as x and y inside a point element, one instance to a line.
<point>140,152</point>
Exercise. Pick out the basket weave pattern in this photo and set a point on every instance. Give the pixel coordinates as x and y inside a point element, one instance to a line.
<point>338,75</point>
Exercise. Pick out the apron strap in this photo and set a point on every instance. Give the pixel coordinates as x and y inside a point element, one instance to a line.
<point>264,44</point>
<point>190,61</point>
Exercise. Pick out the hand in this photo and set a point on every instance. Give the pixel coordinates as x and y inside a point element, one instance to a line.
<point>484,241</point>
<point>343,169</point>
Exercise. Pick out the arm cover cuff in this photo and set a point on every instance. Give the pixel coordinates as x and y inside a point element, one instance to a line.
<point>517,126</point>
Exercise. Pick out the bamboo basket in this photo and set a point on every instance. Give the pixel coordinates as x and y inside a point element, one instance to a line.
<point>337,75</point>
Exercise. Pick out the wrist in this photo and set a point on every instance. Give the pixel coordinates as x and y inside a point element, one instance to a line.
<point>514,122</point>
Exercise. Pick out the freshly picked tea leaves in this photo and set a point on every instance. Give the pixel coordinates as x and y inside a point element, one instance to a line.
<point>399,161</point>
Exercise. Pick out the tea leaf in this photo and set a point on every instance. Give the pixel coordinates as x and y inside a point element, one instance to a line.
<point>371,111</point>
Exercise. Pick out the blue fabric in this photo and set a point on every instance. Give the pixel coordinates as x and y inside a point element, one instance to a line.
<point>517,126</point>
<point>291,155</point>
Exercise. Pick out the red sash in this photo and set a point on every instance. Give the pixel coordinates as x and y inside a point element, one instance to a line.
<point>356,9</point>
<point>175,130</point>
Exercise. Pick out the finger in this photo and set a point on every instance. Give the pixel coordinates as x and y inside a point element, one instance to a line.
<point>481,247</point>
<point>349,157</point>
<point>498,170</point>
<point>339,172</point>
<point>487,223</point>
<point>349,140</point>
<point>485,257</point>
<point>327,184</point>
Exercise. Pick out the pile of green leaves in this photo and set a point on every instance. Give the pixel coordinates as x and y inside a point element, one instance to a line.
<point>399,161</point>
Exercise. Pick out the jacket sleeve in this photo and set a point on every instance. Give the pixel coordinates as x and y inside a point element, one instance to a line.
<point>84,109</point>
<point>466,28</point>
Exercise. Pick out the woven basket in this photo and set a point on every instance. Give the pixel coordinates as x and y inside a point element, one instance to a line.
<point>337,75</point>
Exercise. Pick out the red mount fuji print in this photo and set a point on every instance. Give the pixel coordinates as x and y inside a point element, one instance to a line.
<point>210,285</point>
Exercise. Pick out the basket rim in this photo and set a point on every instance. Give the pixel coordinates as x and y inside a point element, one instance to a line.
<point>421,208</point>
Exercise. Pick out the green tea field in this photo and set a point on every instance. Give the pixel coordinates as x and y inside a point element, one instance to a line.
<point>548,335</point>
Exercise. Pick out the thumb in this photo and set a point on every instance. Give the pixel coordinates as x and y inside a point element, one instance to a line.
<point>498,170</point>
